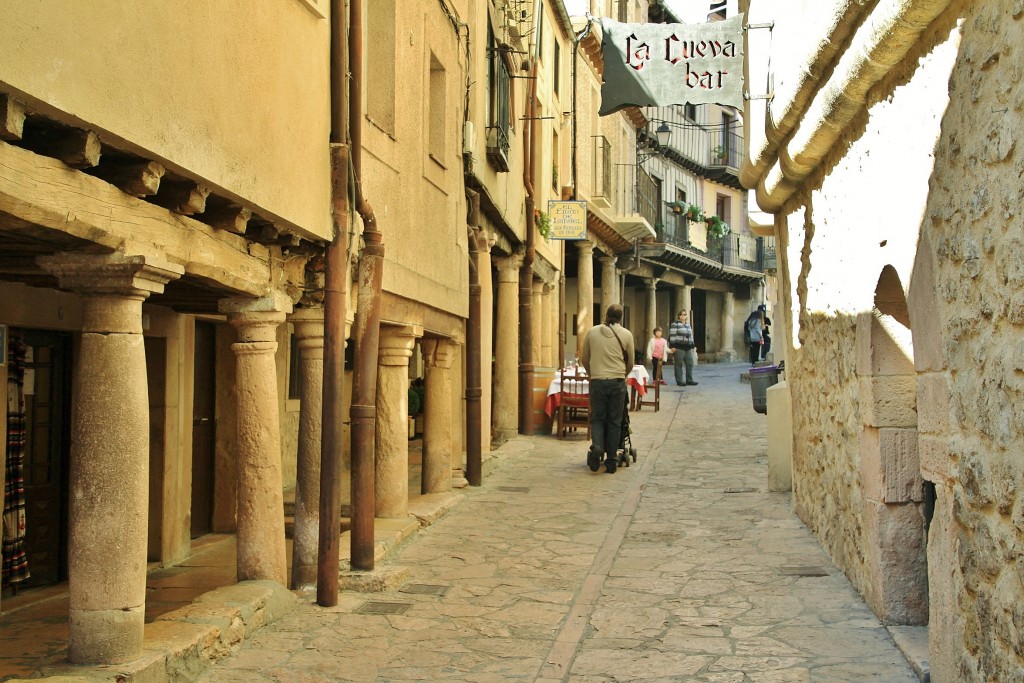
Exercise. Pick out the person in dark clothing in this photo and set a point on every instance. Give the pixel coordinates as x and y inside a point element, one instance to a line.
<point>765,335</point>
<point>753,329</point>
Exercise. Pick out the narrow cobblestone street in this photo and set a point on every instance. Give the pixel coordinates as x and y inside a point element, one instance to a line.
<point>680,568</point>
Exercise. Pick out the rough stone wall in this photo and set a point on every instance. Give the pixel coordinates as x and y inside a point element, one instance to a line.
<point>864,219</point>
<point>826,449</point>
<point>974,227</point>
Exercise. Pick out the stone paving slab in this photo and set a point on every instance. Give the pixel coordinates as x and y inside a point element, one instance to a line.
<point>681,567</point>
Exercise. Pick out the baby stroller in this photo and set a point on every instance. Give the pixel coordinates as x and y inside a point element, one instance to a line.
<point>626,450</point>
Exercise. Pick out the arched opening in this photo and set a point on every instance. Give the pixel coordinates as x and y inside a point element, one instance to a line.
<point>893,490</point>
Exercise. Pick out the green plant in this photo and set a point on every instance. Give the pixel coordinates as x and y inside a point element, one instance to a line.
<point>694,213</point>
<point>415,400</point>
<point>717,227</point>
<point>720,153</point>
<point>554,175</point>
<point>543,223</point>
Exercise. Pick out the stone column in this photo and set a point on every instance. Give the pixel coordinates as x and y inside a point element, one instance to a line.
<point>537,309</point>
<point>687,303</point>
<point>391,474</point>
<point>652,310</point>
<point>728,316</point>
<point>309,336</point>
<point>438,441</point>
<point>506,351</point>
<point>609,284</point>
<point>548,333</point>
<point>584,292</point>
<point>261,542</point>
<point>109,478</point>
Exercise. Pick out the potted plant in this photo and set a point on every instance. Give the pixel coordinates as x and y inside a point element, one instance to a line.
<point>717,227</point>
<point>543,223</point>
<point>416,394</point>
<point>694,213</point>
<point>720,154</point>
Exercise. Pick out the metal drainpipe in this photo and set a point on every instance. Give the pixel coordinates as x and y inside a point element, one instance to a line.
<point>474,345</point>
<point>335,300</point>
<point>526,272</point>
<point>366,329</point>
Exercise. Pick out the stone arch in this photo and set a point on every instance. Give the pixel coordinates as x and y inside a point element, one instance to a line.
<point>891,484</point>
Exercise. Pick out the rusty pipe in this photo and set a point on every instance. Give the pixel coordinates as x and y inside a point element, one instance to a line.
<point>526,331</point>
<point>474,348</point>
<point>335,301</point>
<point>366,332</point>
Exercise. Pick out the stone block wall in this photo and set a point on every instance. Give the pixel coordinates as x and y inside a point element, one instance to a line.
<point>826,444</point>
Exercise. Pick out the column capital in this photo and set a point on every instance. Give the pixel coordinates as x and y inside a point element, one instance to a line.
<point>115,285</point>
<point>608,258</point>
<point>651,282</point>
<point>585,247</point>
<point>438,353</point>
<point>397,343</point>
<point>273,302</point>
<point>118,274</point>
<point>308,322</point>
<point>509,264</point>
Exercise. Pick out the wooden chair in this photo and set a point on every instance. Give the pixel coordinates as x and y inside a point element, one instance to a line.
<point>573,407</point>
<point>653,387</point>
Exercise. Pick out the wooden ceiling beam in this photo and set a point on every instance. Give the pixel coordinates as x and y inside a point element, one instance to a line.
<point>139,178</point>
<point>75,147</point>
<point>12,118</point>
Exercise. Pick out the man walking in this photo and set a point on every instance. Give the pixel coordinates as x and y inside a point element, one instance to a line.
<point>608,351</point>
<point>684,350</point>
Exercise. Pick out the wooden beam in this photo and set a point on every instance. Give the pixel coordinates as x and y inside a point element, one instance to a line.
<point>139,178</point>
<point>75,147</point>
<point>187,198</point>
<point>231,218</point>
<point>12,118</point>
<point>46,195</point>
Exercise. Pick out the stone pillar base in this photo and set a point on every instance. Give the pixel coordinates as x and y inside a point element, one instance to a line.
<point>107,636</point>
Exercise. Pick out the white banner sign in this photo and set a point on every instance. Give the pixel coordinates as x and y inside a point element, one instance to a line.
<point>662,64</point>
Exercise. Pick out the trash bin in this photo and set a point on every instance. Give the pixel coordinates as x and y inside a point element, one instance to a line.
<point>760,379</point>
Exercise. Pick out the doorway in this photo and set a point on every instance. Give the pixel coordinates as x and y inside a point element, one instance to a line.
<point>47,393</point>
<point>204,431</point>
<point>699,303</point>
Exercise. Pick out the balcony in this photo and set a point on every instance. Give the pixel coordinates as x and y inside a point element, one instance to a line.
<point>689,246</point>
<point>709,152</point>
<point>497,148</point>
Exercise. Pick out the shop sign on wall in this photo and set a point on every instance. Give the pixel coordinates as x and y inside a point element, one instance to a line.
<point>568,220</point>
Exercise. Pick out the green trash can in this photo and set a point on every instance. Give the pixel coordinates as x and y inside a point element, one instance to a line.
<point>760,379</point>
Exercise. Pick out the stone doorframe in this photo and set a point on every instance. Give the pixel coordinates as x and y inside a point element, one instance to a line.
<point>893,490</point>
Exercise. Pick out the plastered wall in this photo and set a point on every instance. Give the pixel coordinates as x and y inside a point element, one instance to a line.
<point>234,93</point>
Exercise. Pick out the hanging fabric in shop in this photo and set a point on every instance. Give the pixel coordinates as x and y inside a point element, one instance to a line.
<point>662,64</point>
<point>15,561</point>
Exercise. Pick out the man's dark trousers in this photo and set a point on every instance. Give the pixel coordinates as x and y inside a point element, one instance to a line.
<point>607,401</point>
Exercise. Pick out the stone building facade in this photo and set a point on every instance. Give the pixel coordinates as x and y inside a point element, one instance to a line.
<point>890,163</point>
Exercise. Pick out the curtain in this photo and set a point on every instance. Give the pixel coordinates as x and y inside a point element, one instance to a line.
<point>15,561</point>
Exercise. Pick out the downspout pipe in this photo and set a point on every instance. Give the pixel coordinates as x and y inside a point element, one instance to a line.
<point>366,328</point>
<point>335,302</point>
<point>474,347</point>
<point>526,331</point>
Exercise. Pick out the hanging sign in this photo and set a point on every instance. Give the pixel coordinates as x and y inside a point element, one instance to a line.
<point>568,220</point>
<point>662,64</point>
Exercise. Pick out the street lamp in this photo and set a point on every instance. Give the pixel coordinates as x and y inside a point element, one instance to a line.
<point>662,135</point>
